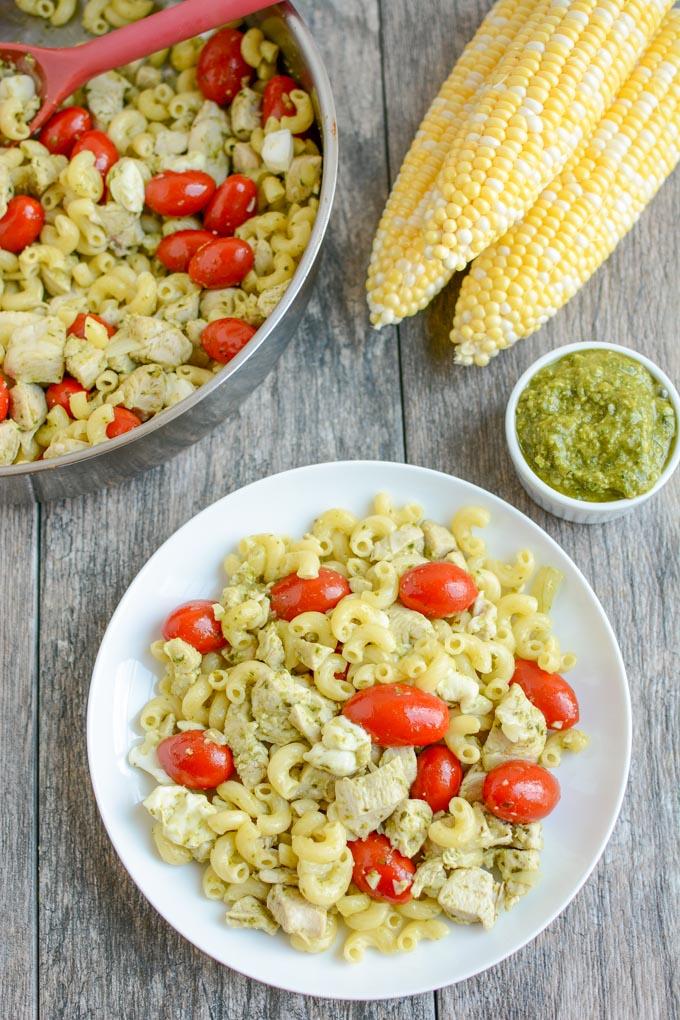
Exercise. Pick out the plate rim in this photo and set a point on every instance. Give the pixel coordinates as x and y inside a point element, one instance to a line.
<point>427,986</point>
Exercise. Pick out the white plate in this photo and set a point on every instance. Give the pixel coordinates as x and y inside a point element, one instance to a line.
<point>188,566</point>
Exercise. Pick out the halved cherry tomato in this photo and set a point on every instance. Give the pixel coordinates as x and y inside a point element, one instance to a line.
<point>21,224</point>
<point>4,399</point>
<point>77,327</point>
<point>375,856</point>
<point>123,421</point>
<point>64,129</point>
<point>221,70</point>
<point>438,777</point>
<point>175,250</point>
<point>276,101</point>
<point>195,623</point>
<point>193,760</point>
<point>520,791</point>
<point>293,595</point>
<point>397,715</point>
<point>100,145</point>
<point>61,392</point>
<point>179,193</point>
<point>234,202</point>
<point>549,692</point>
<point>222,263</point>
<point>437,589</point>
<point>224,338</point>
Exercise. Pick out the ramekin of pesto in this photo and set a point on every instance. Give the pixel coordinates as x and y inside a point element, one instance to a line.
<point>596,425</point>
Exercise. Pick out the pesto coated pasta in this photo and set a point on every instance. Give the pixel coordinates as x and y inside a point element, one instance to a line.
<point>287,766</point>
<point>120,293</point>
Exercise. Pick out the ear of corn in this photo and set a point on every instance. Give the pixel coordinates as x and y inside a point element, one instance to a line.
<point>522,280</point>
<point>542,99</point>
<point>402,218</point>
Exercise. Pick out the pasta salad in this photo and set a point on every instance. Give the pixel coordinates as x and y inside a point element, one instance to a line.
<point>146,232</point>
<point>360,733</point>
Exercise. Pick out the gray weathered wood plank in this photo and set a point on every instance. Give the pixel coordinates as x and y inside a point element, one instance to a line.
<point>18,736</point>
<point>104,951</point>
<point>608,954</point>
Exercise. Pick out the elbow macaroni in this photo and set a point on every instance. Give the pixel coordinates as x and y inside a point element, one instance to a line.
<point>280,827</point>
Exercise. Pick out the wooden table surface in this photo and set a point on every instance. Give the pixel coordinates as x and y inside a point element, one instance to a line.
<point>79,940</point>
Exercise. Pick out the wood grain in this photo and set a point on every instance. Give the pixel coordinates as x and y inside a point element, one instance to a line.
<point>342,390</point>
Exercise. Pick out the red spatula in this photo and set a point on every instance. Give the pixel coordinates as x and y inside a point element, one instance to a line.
<point>61,71</point>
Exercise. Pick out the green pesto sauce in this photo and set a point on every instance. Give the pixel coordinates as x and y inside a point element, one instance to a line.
<point>596,425</point>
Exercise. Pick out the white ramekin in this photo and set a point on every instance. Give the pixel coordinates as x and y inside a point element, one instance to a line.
<point>581,511</point>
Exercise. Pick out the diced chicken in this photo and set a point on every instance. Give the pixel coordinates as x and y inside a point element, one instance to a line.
<point>144,756</point>
<point>439,541</point>
<point>274,696</point>
<point>408,759</point>
<point>311,653</point>
<point>245,113</point>
<point>528,837</point>
<point>295,915</point>
<point>460,857</point>
<point>408,538</point>
<point>315,784</point>
<point>6,188</point>
<point>408,825</point>
<point>208,134</point>
<point>364,803</point>
<point>149,340</point>
<point>126,181</point>
<point>143,390</point>
<point>472,784</point>
<point>306,722</point>
<point>267,302</point>
<point>303,178</point>
<point>42,171</point>
<point>429,878</point>
<point>491,831</point>
<point>27,405</point>
<point>35,352</point>
<point>344,749</point>
<point>106,96</point>
<point>408,626</point>
<point>469,896</point>
<point>519,870</point>
<point>61,445</point>
<point>243,585</point>
<point>248,912</point>
<point>176,389</point>
<point>244,158</point>
<point>277,151</point>
<point>519,731</point>
<point>10,440</point>
<point>458,688</point>
<point>270,646</point>
<point>483,619</point>
<point>182,814</point>
<point>250,754</point>
<point>184,665</point>
<point>84,361</point>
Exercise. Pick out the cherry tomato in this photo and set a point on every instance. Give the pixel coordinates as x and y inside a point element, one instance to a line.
<point>276,101</point>
<point>222,263</point>
<point>4,399</point>
<point>64,129</point>
<point>192,760</point>
<point>61,392</point>
<point>375,854</point>
<point>179,193</point>
<point>437,589</point>
<point>77,327</point>
<point>221,70</point>
<point>104,151</point>
<point>123,421</point>
<point>521,792</point>
<point>438,778</point>
<point>175,250</point>
<point>293,595</point>
<point>195,623</point>
<point>549,692</point>
<point>224,338</point>
<point>234,202</point>
<point>21,224</point>
<point>397,715</point>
